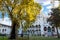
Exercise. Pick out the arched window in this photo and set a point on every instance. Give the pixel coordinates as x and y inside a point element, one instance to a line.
<point>53,29</point>
<point>28,31</point>
<point>45,28</point>
<point>39,26</point>
<point>49,29</point>
<point>32,26</point>
<point>36,30</point>
<point>39,30</point>
<point>5,29</point>
<point>36,25</point>
<point>2,30</point>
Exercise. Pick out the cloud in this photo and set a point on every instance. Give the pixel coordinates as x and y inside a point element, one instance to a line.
<point>56,3</point>
<point>5,21</point>
<point>46,3</point>
<point>40,1</point>
<point>49,7</point>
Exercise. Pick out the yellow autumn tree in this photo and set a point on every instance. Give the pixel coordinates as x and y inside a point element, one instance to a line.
<point>19,10</point>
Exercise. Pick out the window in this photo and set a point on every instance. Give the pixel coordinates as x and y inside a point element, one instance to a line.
<point>2,30</point>
<point>36,30</point>
<point>36,25</point>
<point>45,28</point>
<point>39,26</point>
<point>49,29</point>
<point>53,29</point>
<point>5,29</point>
<point>39,30</point>
<point>0,25</point>
<point>33,26</point>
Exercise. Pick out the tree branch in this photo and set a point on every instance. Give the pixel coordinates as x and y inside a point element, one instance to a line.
<point>10,13</point>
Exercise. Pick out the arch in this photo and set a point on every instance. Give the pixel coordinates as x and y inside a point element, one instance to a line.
<point>53,29</point>
<point>49,29</point>
<point>45,28</point>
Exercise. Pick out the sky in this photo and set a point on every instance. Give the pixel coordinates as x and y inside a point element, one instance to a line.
<point>46,8</point>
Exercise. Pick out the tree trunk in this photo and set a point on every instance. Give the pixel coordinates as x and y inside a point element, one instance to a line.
<point>13,31</point>
<point>57,32</point>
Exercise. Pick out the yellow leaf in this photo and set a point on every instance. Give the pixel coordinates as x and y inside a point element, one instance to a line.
<point>16,9</point>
